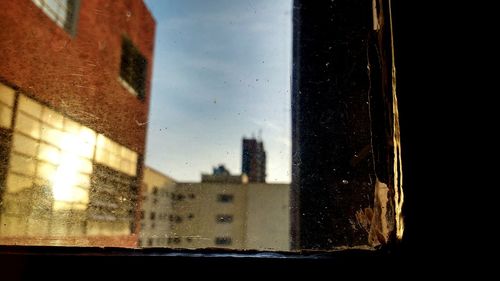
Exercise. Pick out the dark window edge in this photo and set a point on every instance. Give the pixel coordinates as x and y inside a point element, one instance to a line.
<point>390,250</point>
<point>72,27</point>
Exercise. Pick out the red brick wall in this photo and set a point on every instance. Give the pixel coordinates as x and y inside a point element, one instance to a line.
<point>79,75</point>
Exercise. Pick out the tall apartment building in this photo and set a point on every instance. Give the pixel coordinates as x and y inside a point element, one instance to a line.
<point>220,213</point>
<point>74,100</point>
<point>254,160</point>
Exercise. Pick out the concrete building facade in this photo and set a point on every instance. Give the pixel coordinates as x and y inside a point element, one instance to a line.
<point>224,214</point>
<point>156,208</point>
<point>74,100</point>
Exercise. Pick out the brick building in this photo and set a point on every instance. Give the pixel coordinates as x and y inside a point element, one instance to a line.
<point>74,100</point>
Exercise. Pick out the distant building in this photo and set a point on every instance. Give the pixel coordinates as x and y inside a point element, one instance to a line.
<point>221,174</point>
<point>221,170</point>
<point>156,208</point>
<point>254,160</point>
<point>221,214</point>
<point>74,101</point>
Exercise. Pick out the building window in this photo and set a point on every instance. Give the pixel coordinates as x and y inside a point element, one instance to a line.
<point>175,240</point>
<point>224,218</point>
<point>7,96</point>
<point>155,190</point>
<point>63,12</point>
<point>153,225</point>
<point>223,241</point>
<point>191,216</point>
<point>142,215</point>
<point>152,215</point>
<point>115,156</point>
<point>177,197</point>
<point>133,69</point>
<point>192,196</point>
<point>178,219</point>
<point>155,201</point>
<point>225,198</point>
<point>189,239</point>
<point>112,200</point>
<point>150,241</point>
<point>175,218</point>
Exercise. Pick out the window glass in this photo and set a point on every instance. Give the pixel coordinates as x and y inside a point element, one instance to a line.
<point>113,155</point>
<point>223,241</point>
<point>46,170</point>
<point>6,95</point>
<point>52,118</point>
<point>22,165</point>
<point>225,198</point>
<point>29,106</point>
<point>62,12</point>
<point>133,68</point>
<point>28,125</point>
<point>17,183</point>
<point>224,218</point>
<point>50,154</point>
<point>51,135</point>
<point>5,116</point>
<point>227,124</point>
<point>6,104</point>
<point>25,145</point>
<point>51,165</point>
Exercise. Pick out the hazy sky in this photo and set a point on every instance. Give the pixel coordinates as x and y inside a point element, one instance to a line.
<point>221,71</point>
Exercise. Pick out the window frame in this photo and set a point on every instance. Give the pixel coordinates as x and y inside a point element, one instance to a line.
<point>70,26</point>
<point>392,251</point>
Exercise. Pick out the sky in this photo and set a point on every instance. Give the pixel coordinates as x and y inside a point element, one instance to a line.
<point>221,71</point>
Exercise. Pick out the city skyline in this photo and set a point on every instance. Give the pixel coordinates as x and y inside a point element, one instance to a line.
<point>221,73</point>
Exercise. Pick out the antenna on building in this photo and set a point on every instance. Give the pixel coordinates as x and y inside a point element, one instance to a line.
<point>260,135</point>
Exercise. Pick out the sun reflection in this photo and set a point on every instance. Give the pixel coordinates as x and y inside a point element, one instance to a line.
<point>67,176</point>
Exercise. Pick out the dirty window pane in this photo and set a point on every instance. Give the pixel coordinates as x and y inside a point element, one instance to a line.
<point>228,124</point>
